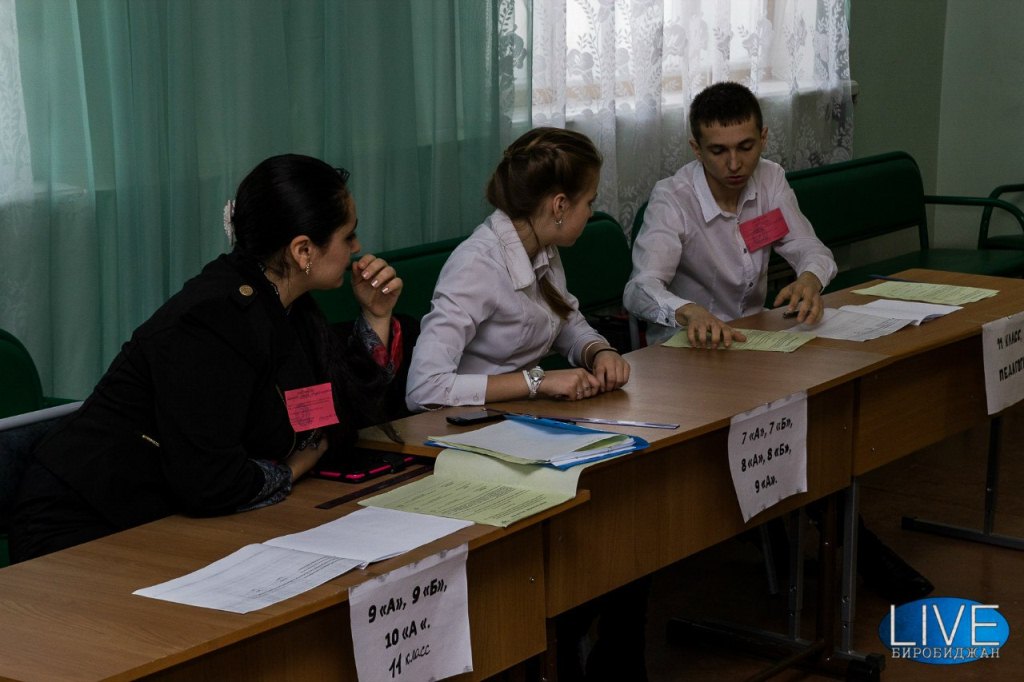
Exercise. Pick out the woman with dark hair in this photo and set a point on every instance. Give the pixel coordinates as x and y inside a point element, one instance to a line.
<point>501,304</point>
<point>236,386</point>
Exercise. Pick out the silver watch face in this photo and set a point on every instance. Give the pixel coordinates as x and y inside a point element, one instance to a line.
<point>536,374</point>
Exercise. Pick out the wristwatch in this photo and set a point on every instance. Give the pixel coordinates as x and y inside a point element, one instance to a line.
<point>533,378</point>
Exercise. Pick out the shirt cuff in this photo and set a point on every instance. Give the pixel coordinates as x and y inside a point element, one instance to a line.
<point>277,484</point>
<point>467,389</point>
<point>388,359</point>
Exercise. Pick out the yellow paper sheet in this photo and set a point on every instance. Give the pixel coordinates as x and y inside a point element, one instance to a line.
<point>945,294</point>
<point>482,489</point>
<point>781,342</point>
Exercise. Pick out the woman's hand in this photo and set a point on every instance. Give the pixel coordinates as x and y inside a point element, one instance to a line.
<point>611,370</point>
<point>569,384</point>
<point>301,461</point>
<point>376,287</point>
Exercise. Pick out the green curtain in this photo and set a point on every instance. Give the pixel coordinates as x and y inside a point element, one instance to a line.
<point>143,116</point>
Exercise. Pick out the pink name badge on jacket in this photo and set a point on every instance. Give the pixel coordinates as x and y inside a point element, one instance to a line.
<point>310,407</point>
<point>763,230</point>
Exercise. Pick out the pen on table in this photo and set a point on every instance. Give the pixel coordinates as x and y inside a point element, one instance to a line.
<point>591,420</point>
<point>614,422</point>
<point>887,278</point>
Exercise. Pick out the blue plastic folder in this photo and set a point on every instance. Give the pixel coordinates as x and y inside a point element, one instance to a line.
<point>499,440</point>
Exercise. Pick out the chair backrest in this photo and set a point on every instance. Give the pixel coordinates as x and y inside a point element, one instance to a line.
<point>598,265</point>
<point>21,390</point>
<point>18,437</point>
<point>855,200</point>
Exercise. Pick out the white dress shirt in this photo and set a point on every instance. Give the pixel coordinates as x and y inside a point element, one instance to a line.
<point>691,251</point>
<point>488,317</point>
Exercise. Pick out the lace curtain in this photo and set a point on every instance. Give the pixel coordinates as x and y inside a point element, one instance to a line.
<point>625,71</point>
<point>15,161</point>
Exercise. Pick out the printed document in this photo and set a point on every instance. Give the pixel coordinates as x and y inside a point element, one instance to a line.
<point>260,575</point>
<point>479,488</point>
<point>914,311</point>
<point>849,326</point>
<point>522,439</point>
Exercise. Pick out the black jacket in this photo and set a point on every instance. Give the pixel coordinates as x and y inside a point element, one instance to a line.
<point>190,401</point>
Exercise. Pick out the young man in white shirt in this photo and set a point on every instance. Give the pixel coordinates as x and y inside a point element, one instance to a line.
<point>701,260</point>
<point>701,257</point>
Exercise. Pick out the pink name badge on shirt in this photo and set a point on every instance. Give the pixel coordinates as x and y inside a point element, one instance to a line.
<point>763,230</point>
<point>310,407</point>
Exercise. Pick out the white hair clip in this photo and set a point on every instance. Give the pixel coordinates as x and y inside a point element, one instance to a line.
<point>229,216</point>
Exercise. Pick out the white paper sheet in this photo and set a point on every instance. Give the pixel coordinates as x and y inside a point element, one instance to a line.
<point>371,534</point>
<point>260,575</point>
<point>412,624</point>
<point>768,453</point>
<point>915,311</point>
<point>1003,358</point>
<point>251,578</point>
<point>847,326</point>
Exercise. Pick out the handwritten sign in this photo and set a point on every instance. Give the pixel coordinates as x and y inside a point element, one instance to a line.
<point>763,230</point>
<point>412,624</point>
<point>1003,354</point>
<point>768,453</point>
<point>310,407</point>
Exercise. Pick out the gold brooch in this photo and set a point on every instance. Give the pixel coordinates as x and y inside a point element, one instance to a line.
<point>245,290</point>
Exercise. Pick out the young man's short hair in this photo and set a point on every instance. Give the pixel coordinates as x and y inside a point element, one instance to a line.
<point>725,103</point>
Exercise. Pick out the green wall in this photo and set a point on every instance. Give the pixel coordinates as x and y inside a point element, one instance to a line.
<point>896,55</point>
<point>981,130</point>
<point>943,80</point>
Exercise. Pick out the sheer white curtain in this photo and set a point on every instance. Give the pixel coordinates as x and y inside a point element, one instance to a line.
<point>624,72</point>
<point>15,159</point>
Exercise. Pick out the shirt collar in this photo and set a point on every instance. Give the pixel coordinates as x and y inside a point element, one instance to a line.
<point>522,271</point>
<point>708,206</point>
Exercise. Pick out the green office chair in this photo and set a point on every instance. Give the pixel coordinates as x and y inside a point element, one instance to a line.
<point>22,391</point>
<point>18,438</point>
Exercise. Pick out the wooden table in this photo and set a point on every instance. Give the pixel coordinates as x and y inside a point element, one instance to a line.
<point>650,509</point>
<point>71,615</point>
<point>869,404</point>
<point>929,387</point>
<point>930,384</point>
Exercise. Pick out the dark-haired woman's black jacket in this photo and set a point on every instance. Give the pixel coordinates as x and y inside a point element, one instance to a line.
<point>191,401</point>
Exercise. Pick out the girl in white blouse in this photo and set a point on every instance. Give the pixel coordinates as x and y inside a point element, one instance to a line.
<point>500,304</point>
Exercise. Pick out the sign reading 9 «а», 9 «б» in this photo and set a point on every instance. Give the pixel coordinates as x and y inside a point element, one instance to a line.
<point>412,624</point>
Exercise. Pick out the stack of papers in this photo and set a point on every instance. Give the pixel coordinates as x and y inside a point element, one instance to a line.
<point>522,439</point>
<point>875,319</point>
<point>260,575</point>
<point>845,325</point>
<point>913,311</point>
